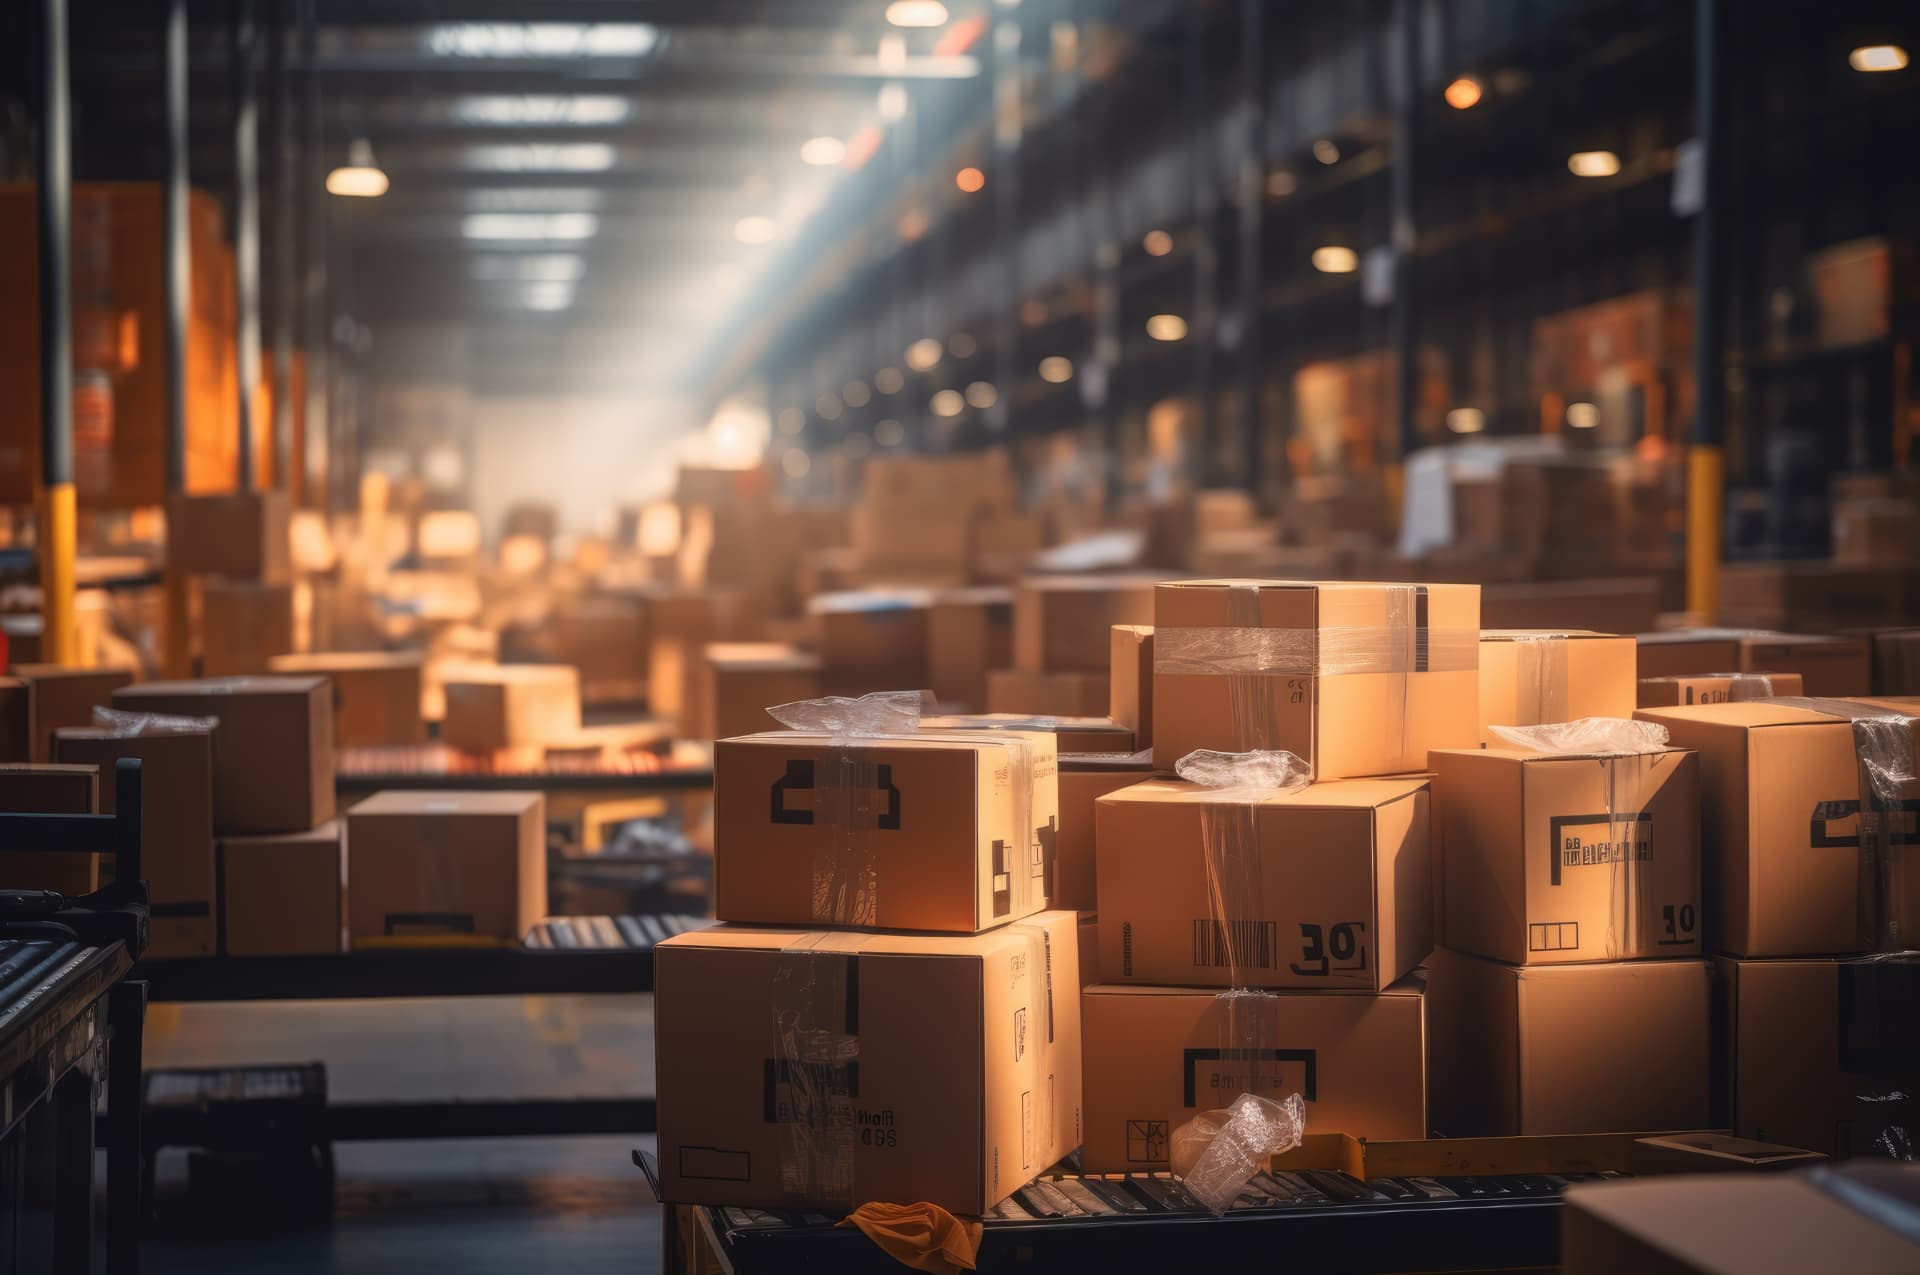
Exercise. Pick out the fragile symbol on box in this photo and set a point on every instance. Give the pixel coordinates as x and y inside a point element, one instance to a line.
<point>1147,1140</point>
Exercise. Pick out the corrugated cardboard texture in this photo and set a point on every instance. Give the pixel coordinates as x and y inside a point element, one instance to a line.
<point>1527,677</point>
<point>1343,724</point>
<point>284,895</point>
<point>376,694</point>
<point>969,631</point>
<point>176,826</point>
<point>1789,1079</point>
<point>1780,792</point>
<point>951,1103</point>
<point>1531,874</point>
<point>272,752</point>
<point>1347,887</point>
<point>1064,622</point>
<point>1130,689</point>
<point>511,706</point>
<point>1596,1048</point>
<point>1686,690</point>
<point>1079,789</point>
<point>945,852</point>
<point>67,697</point>
<point>1153,1059</point>
<point>49,790</point>
<point>446,863</point>
<point>1068,694</point>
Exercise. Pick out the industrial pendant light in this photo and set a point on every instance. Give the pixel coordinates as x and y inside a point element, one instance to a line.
<point>359,177</point>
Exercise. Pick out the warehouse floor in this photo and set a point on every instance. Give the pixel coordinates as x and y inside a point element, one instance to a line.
<point>479,1206</point>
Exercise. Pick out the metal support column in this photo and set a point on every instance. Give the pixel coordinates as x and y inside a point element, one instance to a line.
<point>283,264</point>
<point>1202,182</point>
<point>58,517</point>
<point>126,1168</point>
<point>1404,318</point>
<point>246,230</point>
<point>179,265</point>
<point>1706,463</point>
<point>1253,221</point>
<point>310,324</point>
<point>1008,126</point>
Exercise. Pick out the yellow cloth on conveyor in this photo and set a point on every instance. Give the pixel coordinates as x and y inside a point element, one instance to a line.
<point>923,1236</point>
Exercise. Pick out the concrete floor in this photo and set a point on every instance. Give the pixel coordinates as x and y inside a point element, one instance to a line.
<point>520,1205</point>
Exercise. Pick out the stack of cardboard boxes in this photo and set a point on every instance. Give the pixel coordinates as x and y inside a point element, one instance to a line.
<point>899,1007</point>
<point>1061,627</point>
<point>239,546</point>
<point>1569,906</point>
<point>1333,908</point>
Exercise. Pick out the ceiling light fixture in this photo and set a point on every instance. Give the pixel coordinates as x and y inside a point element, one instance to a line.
<point>1158,243</point>
<point>754,230</point>
<point>917,13</point>
<point>1464,93</point>
<point>542,157</point>
<point>970,180</point>
<point>541,39</point>
<point>1335,259</point>
<point>1593,163</point>
<point>1466,420</point>
<point>888,380</point>
<point>924,355</point>
<point>1326,151</point>
<point>1874,58</point>
<point>892,102</point>
<point>1167,327</point>
<point>1583,415</point>
<point>359,177</point>
<point>529,226</point>
<point>547,109</point>
<point>948,403</point>
<point>1056,370</point>
<point>822,151</point>
<point>982,395</point>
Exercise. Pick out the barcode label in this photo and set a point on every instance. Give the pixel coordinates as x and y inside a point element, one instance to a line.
<point>1242,944</point>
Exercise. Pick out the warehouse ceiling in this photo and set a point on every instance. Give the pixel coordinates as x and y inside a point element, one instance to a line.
<point>586,195</point>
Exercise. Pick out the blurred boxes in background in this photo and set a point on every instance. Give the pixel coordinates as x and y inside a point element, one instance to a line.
<point>1624,605</point>
<point>1701,688</point>
<point>1818,596</point>
<point>244,624</point>
<point>872,641</point>
<point>1130,684</point>
<point>1065,623</point>
<point>744,680</point>
<point>1896,662</point>
<point>1876,533</point>
<point>451,865</point>
<point>1065,694</point>
<point>66,697</point>
<point>511,706</point>
<point>244,534</point>
<point>49,789</point>
<point>284,894</point>
<point>680,624</point>
<point>376,694</point>
<point>1827,665</point>
<point>1531,676</point>
<point>969,632</point>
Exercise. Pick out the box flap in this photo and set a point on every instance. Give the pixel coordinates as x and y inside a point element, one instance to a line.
<point>1336,794</point>
<point>1540,635</point>
<point>424,802</point>
<point>760,938</point>
<point>1740,713</point>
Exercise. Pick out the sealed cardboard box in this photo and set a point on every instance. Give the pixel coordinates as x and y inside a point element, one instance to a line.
<point>273,758</point>
<point>1065,622</point>
<point>680,624</point>
<point>874,641</point>
<point>1896,662</point>
<point>48,789</point>
<point>1752,1224</point>
<point>1623,605</point>
<point>284,894</point>
<point>1816,1052</point>
<point>969,631</point>
<point>1084,779</point>
<point>511,706</point>
<point>1343,873</point>
<point>177,775</point>
<point>1548,859</point>
<point>452,864</point>
<point>1530,676</point>
<point>935,832</point>
<point>745,679</point>
<point>1715,1153</point>
<point>1702,688</point>
<point>955,1077</point>
<point>1354,679</point>
<point>1130,687</point>
<point>1157,1055</point>
<point>245,534</point>
<point>1069,694</point>
<point>16,720</point>
<point>605,637</point>
<point>1597,1048</point>
<point>244,624</point>
<point>1780,806</point>
<point>1071,735</point>
<point>376,694</point>
<point>67,697</point>
<point>1826,665</point>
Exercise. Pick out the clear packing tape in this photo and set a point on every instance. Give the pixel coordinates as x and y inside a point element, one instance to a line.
<point>125,725</point>
<point>1623,749</point>
<point>816,986</point>
<point>1218,1151</point>
<point>1251,655</point>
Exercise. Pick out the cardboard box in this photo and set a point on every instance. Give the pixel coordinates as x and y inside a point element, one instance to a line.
<point>1818,596</point>
<point>67,697</point>
<point>1701,688</point>
<point>1598,1048</point>
<point>961,1080</point>
<point>1545,860</point>
<point>1070,694</point>
<point>872,641</point>
<point>1071,735</point>
<point>1896,662</point>
<point>745,679</point>
<point>908,834</point>
<point>455,864</point>
<point>244,624</point>
<point>969,631</point>
<point>1752,1224</point>
<point>1084,779</point>
<point>1354,679</point>
<point>1089,929</point>
<point>376,694</point>
<point>273,757</point>
<point>1530,676</point>
<point>1065,622</point>
<point>1624,605</point>
<point>1876,533</point>
<point>48,789</point>
<point>912,540</point>
<point>1339,895</point>
<point>1004,544</point>
<point>511,706</point>
<point>177,775</point>
<point>1812,1049</point>
<point>605,637</point>
<point>1130,685</point>
<point>1715,1153</point>
<point>245,534</point>
<point>1780,794</point>
<point>16,720</point>
<point>1827,666</point>
<point>284,894</point>
<point>680,624</point>
<point>1154,1059</point>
